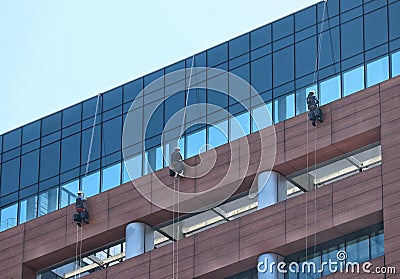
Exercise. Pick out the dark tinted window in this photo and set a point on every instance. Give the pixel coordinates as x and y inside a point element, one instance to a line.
<point>217,98</point>
<point>51,123</point>
<point>346,5</point>
<point>306,52</point>
<point>72,115</point>
<point>89,107</point>
<point>30,168</point>
<point>283,62</point>
<point>152,77</point>
<point>330,47</point>
<point>239,46</point>
<point>352,38</point>
<point>260,37</point>
<point>70,152</point>
<point>132,89</point>
<point>282,27</point>
<point>12,139</point>
<point>173,104</point>
<point>112,98</point>
<point>243,72</point>
<point>375,25</point>
<point>86,136</point>
<point>394,20</point>
<point>10,177</point>
<point>332,9</point>
<point>112,135</point>
<point>305,18</point>
<point>156,122</point>
<point>31,132</point>
<point>217,55</point>
<point>49,160</point>
<point>261,74</point>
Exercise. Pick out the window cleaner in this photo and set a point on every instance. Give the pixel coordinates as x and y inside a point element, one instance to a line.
<point>315,112</point>
<point>81,209</point>
<point>176,167</point>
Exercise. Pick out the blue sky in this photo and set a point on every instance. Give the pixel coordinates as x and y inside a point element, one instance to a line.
<point>55,53</point>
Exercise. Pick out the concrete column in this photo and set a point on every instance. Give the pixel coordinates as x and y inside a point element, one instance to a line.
<point>139,239</point>
<point>271,188</point>
<point>269,266</point>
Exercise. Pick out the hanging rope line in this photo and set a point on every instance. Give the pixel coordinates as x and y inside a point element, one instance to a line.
<point>187,98</point>
<point>92,135</point>
<point>315,79</point>
<point>79,240</point>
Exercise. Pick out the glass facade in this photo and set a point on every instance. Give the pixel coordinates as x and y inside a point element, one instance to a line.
<point>44,162</point>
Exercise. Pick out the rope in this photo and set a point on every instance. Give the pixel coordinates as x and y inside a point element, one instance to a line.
<point>315,78</point>
<point>92,136</point>
<point>80,254</point>
<point>76,249</point>
<point>173,231</point>
<point>187,98</point>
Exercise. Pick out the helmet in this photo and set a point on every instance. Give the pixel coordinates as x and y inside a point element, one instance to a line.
<point>177,148</point>
<point>80,192</point>
<point>311,93</point>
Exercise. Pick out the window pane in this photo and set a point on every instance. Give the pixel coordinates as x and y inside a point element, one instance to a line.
<point>8,217</point>
<point>283,65</point>
<point>283,108</point>
<point>86,138</point>
<point>49,161</point>
<point>377,71</point>
<point>260,37</point>
<point>134,165</point>
<point>282,27</point>
<point>51,124</point>
<point>217,55</point>
<point>331,39</point>
<point>330,254</point>
<point>10,177</point>
<point>394,20</point>
<point>68,193</point>
<point>377,245</point>
<point>112,98</point>
<point>27,209</point>
<point>239,126</point>
<point>72,115</point>
<point>306,52</point>
<point>48,201</point>
<point>111,177</point>
<point>112,135</point>
<point>91,184</point>
<point>358,250</point>
<point>376,29</point>
<point>330,90</point>
<point>29,168</point>
<point>70,152</point>
<point>353,81</point>
<point>396,64</point>
<point>301,99</point>
<point>261,74</point>
<point>31,132</point>
<point>154,159</point>
<point>259,119</point>
<point>218,134</point>
<point>12,140</point>
<point>352,38</point>
<point>196,143</point>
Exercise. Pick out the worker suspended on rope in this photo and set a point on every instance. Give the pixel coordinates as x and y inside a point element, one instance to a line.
<point>81,209</point>
<point>315,112</point>
<point>176,166</point>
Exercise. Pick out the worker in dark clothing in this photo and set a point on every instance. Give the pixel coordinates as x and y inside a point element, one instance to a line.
<point>315,112</point>
<point>176,166</point>
<point>81,209</point>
